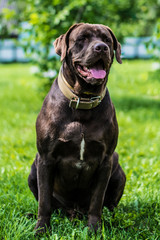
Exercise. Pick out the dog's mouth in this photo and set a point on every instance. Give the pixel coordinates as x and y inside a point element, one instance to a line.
<point>95,71</point>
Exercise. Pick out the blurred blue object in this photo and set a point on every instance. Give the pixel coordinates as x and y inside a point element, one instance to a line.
<point>135,47</point>
<point>132,48</point>
<point>11,52</point>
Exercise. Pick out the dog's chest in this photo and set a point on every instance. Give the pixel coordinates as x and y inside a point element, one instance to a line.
<point>72,139</point>
<point>79,152</point>
<point>79,143</point>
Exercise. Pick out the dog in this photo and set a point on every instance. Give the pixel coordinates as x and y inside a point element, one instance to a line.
<point>76,167</point>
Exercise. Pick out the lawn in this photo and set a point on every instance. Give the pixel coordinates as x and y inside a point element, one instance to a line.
<point>135,91</point>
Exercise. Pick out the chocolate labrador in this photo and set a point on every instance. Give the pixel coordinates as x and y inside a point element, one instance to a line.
<point>76,167</point>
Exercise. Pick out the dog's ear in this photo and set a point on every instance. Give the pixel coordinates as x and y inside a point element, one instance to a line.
<point>61,43</point>
<point>117,46</point>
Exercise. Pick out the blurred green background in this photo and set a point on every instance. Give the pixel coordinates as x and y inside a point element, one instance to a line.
<point>39,22</point>
<point>134,87</point>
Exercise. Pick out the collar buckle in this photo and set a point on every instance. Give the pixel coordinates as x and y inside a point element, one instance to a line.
<point>85,103</point>
<point>74,103</point>
<point>99,98</point>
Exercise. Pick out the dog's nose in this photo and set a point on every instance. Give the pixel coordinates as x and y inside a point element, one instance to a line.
<point>100,48</point>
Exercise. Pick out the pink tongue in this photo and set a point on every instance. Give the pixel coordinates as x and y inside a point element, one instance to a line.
<point>98,74</point>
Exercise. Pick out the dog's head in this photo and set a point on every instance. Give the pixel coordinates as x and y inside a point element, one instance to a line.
<point>88,50</point>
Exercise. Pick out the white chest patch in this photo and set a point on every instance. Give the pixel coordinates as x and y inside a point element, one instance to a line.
<point>82,148</point>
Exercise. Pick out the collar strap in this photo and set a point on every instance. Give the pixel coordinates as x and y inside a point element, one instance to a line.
<point>75,101</point>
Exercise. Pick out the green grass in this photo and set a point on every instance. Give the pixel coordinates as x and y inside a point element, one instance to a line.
<point>135,91</point>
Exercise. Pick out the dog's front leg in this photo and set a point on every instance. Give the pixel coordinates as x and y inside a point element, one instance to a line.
<point>44,177</point>
<point>98,193</point>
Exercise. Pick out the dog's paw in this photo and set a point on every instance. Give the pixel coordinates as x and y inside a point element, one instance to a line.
<point>94,223</point>
<point>42,225</point>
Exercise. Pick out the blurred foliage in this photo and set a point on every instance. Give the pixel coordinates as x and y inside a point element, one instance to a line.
<point>153,44</point>
<point>48,19</point>
<point>10,18</point>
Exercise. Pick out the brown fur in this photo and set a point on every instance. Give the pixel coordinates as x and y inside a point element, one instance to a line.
<point>58,178</point>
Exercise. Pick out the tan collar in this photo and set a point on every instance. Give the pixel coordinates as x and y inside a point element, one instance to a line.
<point>75,101</point>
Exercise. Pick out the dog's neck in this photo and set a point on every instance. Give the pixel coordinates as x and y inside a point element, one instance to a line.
<point>78,101</point>
<point>79,86</point>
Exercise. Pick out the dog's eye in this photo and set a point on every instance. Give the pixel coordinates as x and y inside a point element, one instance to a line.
<point>82,38</point>
<point>107,40</point>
